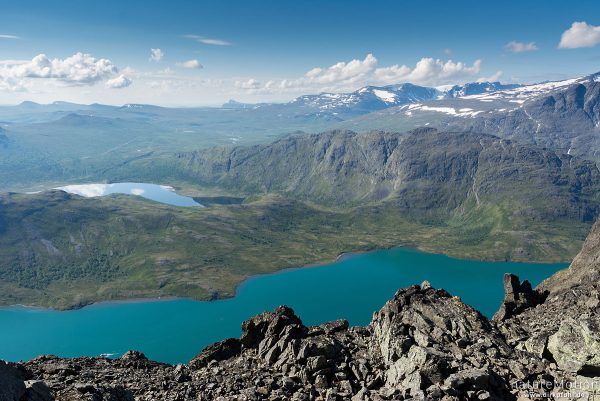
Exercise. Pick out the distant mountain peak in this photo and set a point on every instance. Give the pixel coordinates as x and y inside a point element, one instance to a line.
<point>234,104</point>
<point>29,103</point>
<point>132,106</point>
<point>477,88</point>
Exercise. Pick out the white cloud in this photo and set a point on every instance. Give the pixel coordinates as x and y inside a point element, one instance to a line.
<point>78,69</point>
<point>10,84</point>
<point>9,37</point>
<point>336,77</point>
<point>346,76</point>
<point>156,54</point>
<point>119,82</point>
<point>166,71</point>
<point>580,34</point>
<point>351,71</point>
<point>208,41</point>
<point>427,71</point>
<point>520,47</point>
<point>214,42</point>
<point>249,84</point>
<point>492,78</point>
<point>191,64</point>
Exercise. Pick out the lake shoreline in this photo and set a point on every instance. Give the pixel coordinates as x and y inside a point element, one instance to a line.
<point>173,329</point>
<point>343,256</point>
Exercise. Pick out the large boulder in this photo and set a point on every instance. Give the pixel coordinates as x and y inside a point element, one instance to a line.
<point>576,346</point>
<point>271,325</point>
<point>217,352</point>
<point>36,390</point>
<point>431,343</point>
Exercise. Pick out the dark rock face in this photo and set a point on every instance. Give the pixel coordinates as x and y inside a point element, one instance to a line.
<point>424,344</point>
<point>217,352</point>
<point>12,387</point>
<point>517,297</point>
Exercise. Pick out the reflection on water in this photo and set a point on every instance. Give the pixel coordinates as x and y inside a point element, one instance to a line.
<point>158,193</point>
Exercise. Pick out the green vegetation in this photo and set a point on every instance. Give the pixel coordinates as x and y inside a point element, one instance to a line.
<point>66,251</point>
<point>306,199</point>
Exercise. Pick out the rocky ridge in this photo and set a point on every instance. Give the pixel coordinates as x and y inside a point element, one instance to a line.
<point>424,344</point>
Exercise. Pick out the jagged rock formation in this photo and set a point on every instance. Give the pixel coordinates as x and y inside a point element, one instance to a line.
<point>424,344</point>
<point>517,297</point>
<point>565,328</point>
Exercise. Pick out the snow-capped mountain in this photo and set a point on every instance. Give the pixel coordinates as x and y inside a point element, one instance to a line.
<point>366,99</point>
<point>369,99</point>
<point>561,115</point>
<point>478,99</point>
<point>476,88</point>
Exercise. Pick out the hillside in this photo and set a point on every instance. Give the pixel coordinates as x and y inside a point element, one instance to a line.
<point>307,199</point>
<point>423,172</point>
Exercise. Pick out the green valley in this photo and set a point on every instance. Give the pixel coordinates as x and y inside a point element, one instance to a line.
<point>465,195</point>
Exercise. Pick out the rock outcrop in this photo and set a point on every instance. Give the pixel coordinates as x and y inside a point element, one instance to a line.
<point>565,328</point>
<point>517,297</point>
<point>424,344</point>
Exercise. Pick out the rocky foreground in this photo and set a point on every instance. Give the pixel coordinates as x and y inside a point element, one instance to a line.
<point>424,343</point>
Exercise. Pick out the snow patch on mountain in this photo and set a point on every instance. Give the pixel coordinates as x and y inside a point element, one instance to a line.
<point>385,95</point>
<point>461,112</point>
<point>523,93</point>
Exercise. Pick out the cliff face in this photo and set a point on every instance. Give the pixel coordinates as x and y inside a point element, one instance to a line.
<point>565,327</point>
<point>583,272</point>
<point>420,170</point>
<point>423,344</point>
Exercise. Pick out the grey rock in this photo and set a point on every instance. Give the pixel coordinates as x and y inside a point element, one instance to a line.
<point>517,297</point>
<point>36,390</point>
<point>217,352</point>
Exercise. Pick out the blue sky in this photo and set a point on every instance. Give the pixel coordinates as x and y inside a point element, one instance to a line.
<point>211,51</point>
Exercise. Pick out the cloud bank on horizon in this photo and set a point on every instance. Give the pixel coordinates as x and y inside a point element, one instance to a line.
<point>344,76</point>
<point>205,57</point>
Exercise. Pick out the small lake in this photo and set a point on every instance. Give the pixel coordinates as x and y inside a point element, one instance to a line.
<point>175,330</point>
<point>158,193</point>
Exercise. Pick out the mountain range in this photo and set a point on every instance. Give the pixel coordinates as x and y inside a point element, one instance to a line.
<point>62,142</point>
<point>561,115</point>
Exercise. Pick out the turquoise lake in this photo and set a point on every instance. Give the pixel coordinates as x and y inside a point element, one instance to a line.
<point>175,330</point>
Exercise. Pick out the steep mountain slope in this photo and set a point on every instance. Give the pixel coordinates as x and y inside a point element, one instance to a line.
<point>563,116</point>
<point>424,172</point>
<point>563,325</point>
